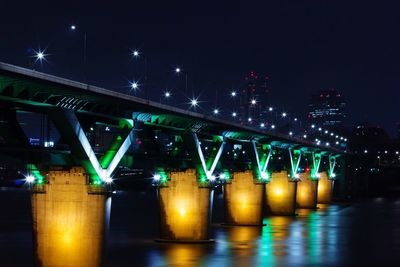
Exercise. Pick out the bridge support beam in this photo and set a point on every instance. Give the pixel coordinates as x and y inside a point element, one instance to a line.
<point>68,220</point>
<point>243,199</point>
<point>184,208</point>
<point>325,187</point>
<point>70,128</point>
<point>307,189</point>
<point>280,194</point>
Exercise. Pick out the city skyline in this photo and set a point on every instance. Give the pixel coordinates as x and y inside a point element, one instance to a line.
<point>327,56</point>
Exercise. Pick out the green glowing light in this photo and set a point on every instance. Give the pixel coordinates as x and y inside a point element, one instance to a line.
<point>295,157</point>
<point>34,171</point>
<point>316,162</point>
<point>162,174</point>
<point>262,162</point>
<point>332,164</point>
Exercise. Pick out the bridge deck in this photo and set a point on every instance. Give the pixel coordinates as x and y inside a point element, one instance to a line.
<point>34,90</point>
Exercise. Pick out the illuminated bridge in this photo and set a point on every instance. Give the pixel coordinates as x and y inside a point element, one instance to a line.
<point>95,136</point>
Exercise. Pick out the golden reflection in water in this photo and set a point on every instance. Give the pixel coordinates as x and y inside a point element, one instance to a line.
<point>68,223</point>
<point>243,239</point>
<point>184,254</point>
<point>243,199</point>
<point>280,194</point>
<point>306,196</point>
<point>184,208</point>
<point>324,189</point>
<point>280,226</point>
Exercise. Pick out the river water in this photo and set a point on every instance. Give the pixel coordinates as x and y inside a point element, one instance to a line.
<point>364,233</point>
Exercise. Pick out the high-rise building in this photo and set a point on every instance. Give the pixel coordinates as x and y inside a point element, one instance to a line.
<point>398,130</point>
<point>327,109</point>
<point>254,99</point>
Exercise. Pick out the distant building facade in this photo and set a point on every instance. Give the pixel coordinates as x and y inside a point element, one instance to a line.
<point>254,99</point>
<point>327,109</point>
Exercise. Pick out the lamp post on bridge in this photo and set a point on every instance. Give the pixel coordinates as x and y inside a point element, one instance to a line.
<point>74,28</point>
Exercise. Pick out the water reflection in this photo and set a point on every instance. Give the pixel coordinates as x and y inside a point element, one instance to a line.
<point>183,254</point>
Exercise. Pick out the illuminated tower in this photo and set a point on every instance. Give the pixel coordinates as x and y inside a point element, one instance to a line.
<point>254,98</point>
<point>327,109</point>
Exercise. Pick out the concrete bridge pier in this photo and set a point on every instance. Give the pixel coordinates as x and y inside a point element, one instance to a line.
<point>307,189</point>
<point>280,194</point>
<point>243,199</point>
<point>325,187</point>
<point>184,208</point>
<point>68,220</point>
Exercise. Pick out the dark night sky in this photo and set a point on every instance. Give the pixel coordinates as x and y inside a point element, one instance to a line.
<point>303,46</point>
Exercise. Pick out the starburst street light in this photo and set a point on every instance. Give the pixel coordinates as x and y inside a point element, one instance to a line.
<point>216,111</point>
<point>284,114</point>
<point>135,53</point>
<point>167,94</point>
<point>270,108</point>
<point>233,93</point>
<point>134,85</point>
<point>253,101</point>
<point>73,27</point>
<point>234,114</point>
<point>194,102</point>
<point>40,56</point>
<point>177,70</point>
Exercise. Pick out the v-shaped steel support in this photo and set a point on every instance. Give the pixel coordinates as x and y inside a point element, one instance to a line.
<point>332,163</point>
<point>208,170</point>
<point>69,126</point>
<point>316,161</point>
<point>295,157</point>
<point>262,164</point>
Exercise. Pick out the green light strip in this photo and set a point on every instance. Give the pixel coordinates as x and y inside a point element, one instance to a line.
<point>295,158</point>
<point>208,170</point>
<point>32,169</point>
<point>316,158</point>
<point>263,163</point>
<point>100,171</point>
<point>332,163</point>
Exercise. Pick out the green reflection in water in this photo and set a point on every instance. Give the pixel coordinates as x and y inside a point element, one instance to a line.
<point>265,251</point>
<point>313,236</point>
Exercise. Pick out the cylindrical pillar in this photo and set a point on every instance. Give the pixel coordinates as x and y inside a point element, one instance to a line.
<point>306,197</point>
<point>184,208</point>
<point>68,221</point>
<point>325,187</point>
<point>243,199</point>
<point>281,194</point>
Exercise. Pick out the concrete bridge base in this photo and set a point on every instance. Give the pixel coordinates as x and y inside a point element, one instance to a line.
<point>325,187</point>
<point>68,221</point>
<point>243,200</point>
<point>280,194</point>
<point>184,208</point>
<point>306,196</point>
